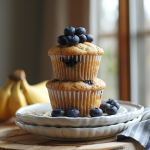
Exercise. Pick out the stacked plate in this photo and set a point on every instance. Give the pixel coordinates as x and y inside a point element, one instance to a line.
<point>36,119</point>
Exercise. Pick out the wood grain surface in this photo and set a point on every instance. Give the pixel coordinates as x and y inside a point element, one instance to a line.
<point>12,137</point>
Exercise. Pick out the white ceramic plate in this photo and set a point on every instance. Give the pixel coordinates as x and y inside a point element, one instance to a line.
<point>77,134</point>
<point>127,111</point>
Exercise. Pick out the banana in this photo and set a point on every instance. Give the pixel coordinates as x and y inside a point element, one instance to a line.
<point>16,99</point>
<point>10,101</point>
<point>5,92</point>
<point>42,87</point>
<point>33,94</point>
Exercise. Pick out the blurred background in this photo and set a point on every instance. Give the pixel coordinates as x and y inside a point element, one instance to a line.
<point>28,29</point>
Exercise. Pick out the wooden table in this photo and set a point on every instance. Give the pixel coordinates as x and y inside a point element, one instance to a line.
<point>12,137</point>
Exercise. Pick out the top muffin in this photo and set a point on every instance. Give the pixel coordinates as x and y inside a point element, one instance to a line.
<point>85,48</point>
<point>75,58</point>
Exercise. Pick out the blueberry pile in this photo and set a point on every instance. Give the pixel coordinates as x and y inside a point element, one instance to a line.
<point>74,36</point>
<point>110,107</point>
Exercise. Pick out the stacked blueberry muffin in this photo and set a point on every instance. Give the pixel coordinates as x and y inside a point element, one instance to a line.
<point>75,64</point>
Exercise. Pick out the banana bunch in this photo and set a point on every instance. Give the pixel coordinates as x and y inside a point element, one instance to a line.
<point>17,92</point>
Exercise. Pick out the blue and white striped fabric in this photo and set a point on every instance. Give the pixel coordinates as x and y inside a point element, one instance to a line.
<point>140,132</point>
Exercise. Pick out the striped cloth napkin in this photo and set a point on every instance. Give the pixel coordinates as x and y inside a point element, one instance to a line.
<point>140,131</point>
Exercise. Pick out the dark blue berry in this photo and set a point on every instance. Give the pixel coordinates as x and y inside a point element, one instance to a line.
<point>103,106</point>
<point>69,31</point>
<point>90,37</point>
<point>113,102</point>
<point>82,38</point>
<point>72,40</point>
<point>80,31</point>
<point>89,82</point>
<point>70,61</point>
<point>55,80</point>
<point>73,113</point>
<point>58,112</point>
<point>62,40</point>
<point>111,110</point>
<point>96,112</point>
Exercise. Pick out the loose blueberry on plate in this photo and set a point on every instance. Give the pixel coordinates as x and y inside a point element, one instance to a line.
<point>82,38</point>
<point>58,112</point>
<point>62,40</point>
<point>72,40</point>
<point>103,106</point>
<point>114,103</point>
<point>69,31</point>
<point>96,112</point>
<point>80,30</point>
<point>89,37</point>
<point>73,113</point>
<point>111,110</point>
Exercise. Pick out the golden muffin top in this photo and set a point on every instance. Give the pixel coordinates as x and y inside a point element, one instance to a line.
<point>85,48</point>
<point>88,85</point>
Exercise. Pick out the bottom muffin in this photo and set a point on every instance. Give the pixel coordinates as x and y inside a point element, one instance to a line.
<point>81,95</point>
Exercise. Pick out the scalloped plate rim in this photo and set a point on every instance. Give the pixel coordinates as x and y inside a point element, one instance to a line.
<point>67,130</point>
<point>82,119</point>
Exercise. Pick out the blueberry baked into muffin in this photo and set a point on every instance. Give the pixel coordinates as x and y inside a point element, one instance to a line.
<point>81,95</point>
<point>75,58</point>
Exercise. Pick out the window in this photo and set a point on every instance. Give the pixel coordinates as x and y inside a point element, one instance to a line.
<point>107,38</point>
<point>140,51</point>
<point>133,28</point>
